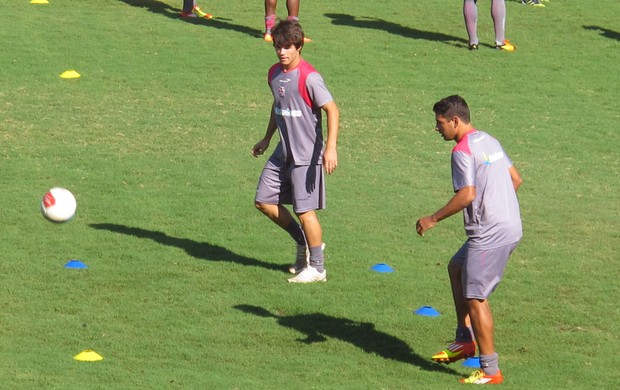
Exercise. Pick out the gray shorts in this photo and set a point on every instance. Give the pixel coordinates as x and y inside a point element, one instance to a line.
<point>303,186</point>
<point>482,269</point>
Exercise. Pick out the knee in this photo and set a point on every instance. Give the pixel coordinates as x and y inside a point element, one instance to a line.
<point>260,207</point>
<point>307,217</point>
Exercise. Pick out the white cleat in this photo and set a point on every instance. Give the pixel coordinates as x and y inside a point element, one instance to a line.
<point>309,275</point>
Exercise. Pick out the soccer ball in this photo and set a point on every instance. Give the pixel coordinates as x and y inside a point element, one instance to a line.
<point>58,205</point>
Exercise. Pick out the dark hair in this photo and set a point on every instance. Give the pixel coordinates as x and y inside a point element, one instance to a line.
<point>452,106</point>
<point>287,33</point>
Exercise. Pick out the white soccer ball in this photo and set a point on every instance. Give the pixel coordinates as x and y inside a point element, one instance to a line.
<point>58,205</point>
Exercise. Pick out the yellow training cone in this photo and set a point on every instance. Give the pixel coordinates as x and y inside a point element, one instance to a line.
<point>88,356</point>
<point>39,2</point>
<point>70,74</point>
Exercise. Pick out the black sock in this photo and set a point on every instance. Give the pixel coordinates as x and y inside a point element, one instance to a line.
<point>294,229</point>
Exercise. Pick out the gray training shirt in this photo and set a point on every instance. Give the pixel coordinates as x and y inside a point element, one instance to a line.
<point>299,95</point>
<point>493,219</point>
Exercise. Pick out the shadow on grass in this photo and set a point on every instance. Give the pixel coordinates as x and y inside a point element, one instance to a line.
<point>318,327</point>
<point>199,250</point>
<point>158,7</point>
<point>394,28</point>
<point>611,34</point>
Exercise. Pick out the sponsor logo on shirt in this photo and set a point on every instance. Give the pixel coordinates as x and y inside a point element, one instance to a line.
<point>491,158</point>
<point>288,112</point>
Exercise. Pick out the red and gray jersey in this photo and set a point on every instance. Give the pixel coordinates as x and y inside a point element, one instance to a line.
<point>299,94</point>
<point>493,218</point>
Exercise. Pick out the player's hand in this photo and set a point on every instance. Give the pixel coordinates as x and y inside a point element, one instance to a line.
<point>424,224</point>
<point>330,160</point>
<point>260,148</point>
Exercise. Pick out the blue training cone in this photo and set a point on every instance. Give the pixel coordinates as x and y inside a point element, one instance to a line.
<point>75,264</point>
<point>473,362</point>
<point>382,268</point>
<point>427,311</point>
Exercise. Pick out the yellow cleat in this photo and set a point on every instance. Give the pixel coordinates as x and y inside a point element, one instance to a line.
<point>201,14</point>
<point>506,46</point>
<point>455,351</point>
<point>480,378</point>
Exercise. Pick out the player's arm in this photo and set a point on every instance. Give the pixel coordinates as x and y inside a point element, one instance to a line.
<point>463,198</point>
<point>515,176</point>
<point>330,156</point>
<point>263,144</point>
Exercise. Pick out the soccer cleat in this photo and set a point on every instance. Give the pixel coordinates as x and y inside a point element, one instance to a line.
<point>309,275</point>
<point>200,13</point>
<point>533,3</point>
<point>456,351</point>
<point>480,378</point>
<point>506,46</point>
<point>302,259</point>
<point>473,46</point>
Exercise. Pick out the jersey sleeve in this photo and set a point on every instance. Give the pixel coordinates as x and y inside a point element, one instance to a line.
<point>319,94</point>
<point>463,170</point>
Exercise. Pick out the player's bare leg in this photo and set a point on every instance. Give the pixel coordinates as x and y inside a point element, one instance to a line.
<point>463,345</point>
<point>482,322</point>
<point>460,305</point>
<point>277,213</point>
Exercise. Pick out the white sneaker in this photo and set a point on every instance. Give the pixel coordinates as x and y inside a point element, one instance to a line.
<point>302,259</point>
<point>309,275</point>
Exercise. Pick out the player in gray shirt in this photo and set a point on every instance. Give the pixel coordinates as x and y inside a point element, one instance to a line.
<point>485,184</point>
<point>294,172</point>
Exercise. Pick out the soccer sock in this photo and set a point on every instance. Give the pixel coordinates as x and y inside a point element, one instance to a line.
<point>498,12</point>
<point>316,258</point>
<point>470,12</point>
<point>293,18</point>
<point>464,334</point>
<point>294,229</point>
<point>489,364</point>
<point>270,21</point>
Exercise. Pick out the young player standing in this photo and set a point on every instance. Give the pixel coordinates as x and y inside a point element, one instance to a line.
<point>485,184</point>
<point>294,172</point>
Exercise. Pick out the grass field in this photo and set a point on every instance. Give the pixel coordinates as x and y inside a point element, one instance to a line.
<point>186,284</point>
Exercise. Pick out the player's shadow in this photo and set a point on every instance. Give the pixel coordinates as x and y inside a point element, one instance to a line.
<point>611,34</point>
<point>394,28</point>
<point>199,250</point>
<point>160,8</point>
<point>319,327</point>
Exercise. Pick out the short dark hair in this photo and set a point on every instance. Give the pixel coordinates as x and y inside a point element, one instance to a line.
<point>287,33</point>
<point>452,106</point>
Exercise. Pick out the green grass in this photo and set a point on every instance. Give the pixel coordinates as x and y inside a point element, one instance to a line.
<point>185,286</point>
